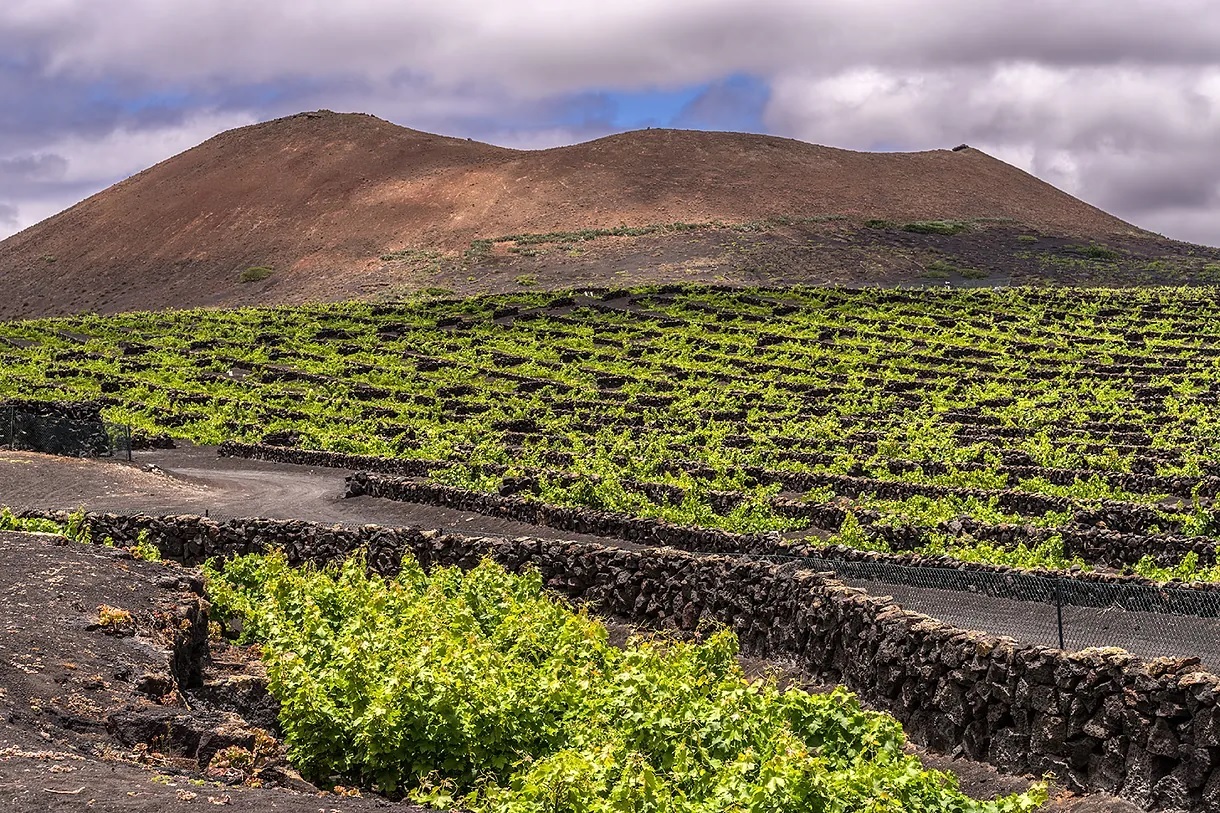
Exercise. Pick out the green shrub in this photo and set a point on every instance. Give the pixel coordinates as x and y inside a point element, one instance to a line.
<point>1094,251</point>
<point>476,690</point>
<point>943,267</point>
<point>255,273</point>
<point>936,227</point>
<point>144,549</point>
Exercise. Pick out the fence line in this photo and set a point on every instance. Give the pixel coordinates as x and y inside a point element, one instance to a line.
<point>1064,613</point>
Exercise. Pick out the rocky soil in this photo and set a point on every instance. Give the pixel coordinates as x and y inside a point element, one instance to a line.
<point>111,700</point>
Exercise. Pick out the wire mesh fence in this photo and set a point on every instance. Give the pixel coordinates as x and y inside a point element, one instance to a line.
<point>1132,597</point>
<point>1065,613</point>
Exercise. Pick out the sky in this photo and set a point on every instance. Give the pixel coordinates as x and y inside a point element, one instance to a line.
<point>1115,101</point>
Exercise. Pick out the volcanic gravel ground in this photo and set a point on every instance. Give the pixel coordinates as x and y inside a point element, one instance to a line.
<point>74,694</point>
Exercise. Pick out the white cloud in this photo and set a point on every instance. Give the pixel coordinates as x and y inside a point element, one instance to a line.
<point>93,164</point>
<point>1137,141</point>
<point>1117,102</point>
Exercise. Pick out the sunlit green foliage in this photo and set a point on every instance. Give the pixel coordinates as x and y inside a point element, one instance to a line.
<point>660,402</point>
<point>477,690</point>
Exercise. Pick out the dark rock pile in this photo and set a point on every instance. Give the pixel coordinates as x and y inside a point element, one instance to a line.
<point>71,429</point>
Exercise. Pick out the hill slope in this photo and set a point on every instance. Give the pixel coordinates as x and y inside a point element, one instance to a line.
<point>319,197</point>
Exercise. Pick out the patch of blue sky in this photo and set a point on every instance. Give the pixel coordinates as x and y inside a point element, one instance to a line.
<point>734,102</point>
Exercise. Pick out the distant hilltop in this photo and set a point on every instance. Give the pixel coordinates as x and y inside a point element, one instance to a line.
<point>309,205</point>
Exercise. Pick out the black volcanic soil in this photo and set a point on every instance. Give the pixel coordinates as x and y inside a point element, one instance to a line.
<point>106,717</point>
<point>319,198</point>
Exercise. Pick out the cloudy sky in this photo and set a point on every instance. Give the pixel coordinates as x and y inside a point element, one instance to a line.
<point>1117,101</point>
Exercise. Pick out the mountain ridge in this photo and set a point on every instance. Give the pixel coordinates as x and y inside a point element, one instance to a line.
<point>317,199</point>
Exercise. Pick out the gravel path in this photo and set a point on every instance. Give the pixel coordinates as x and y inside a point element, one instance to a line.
<point>194,480</point>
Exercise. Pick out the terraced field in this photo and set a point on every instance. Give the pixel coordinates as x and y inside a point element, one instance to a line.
<point>1032,427</point>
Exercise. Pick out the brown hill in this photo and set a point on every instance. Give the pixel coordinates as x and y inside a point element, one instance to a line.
<point>320,197</point>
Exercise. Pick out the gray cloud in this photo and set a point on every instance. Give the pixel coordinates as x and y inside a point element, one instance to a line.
<point>1136,141</point>
<point>26,174</point>
<point>1172,181</point>
<point>8,215</point>
<point>1116,102</point>
<point>552,48</point>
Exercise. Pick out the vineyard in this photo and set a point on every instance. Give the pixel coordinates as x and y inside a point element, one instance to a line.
<point>1047,428</point>
<point>479,690</point>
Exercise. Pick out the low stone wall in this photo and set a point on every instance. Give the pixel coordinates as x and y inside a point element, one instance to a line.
<point>1111,534</point>
<point>1099,719</point>
<point>71,429</point>
<point>1093,542</point>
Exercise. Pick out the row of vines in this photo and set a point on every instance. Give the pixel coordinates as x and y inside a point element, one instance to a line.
<point>828,413</point>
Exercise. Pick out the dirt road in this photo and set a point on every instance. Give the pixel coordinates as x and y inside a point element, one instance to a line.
<point>194,480</point>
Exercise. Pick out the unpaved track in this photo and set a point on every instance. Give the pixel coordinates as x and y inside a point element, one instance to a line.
<point>194,480</point>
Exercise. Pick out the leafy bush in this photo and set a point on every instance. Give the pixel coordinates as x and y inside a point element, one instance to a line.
<point>74,529</point>
<point>144,549</point>
<point>1095,251</point>
<point>936,227</point>
<point>255,273</point>
<point>476,690</point>
<point>1188,570</point>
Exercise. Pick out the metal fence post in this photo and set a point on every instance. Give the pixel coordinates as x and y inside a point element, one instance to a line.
<point>127,432</point>
<point>1059,612</point>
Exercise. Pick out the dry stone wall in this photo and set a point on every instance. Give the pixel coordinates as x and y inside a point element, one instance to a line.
<point>641,530</point>
<point>72,429</point>
<point>1100,719</point>
<point>1111,534</point>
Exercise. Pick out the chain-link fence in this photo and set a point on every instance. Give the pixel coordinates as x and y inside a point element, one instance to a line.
<point>28,429</point>
<point>1072,614</point>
